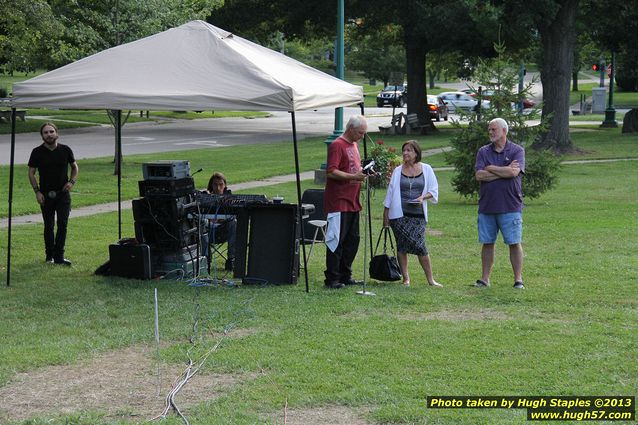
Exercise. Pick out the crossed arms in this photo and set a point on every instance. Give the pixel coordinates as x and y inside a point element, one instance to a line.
<point>494,172</point>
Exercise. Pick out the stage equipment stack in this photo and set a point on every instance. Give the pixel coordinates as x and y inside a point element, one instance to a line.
<point>167,219</point>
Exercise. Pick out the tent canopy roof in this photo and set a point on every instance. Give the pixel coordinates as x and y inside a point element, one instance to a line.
<point>195,66</point>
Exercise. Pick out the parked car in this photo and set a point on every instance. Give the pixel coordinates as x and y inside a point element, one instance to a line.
<point>459,100</point>
<point>437,108</point>
<point>487,94</point>
<point>393,96</point>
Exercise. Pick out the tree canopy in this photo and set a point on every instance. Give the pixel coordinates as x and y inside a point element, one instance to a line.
<point>48,34</point>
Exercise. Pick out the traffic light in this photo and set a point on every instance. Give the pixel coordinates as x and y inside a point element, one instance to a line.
<point>595,67</point>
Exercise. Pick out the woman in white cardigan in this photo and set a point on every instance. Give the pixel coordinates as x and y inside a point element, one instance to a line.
<point>411,186</point>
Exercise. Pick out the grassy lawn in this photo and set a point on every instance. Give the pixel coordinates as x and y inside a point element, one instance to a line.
<point>572,332</point>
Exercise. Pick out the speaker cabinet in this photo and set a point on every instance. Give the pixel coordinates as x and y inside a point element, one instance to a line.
<point>273,249</point>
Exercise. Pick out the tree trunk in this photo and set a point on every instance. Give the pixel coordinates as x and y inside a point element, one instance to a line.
<point>575,80</point>
<point>432,76</point>
<point>415,66</point>
<point>557,39</point>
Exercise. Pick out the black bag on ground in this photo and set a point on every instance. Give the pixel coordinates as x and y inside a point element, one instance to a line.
<point>383,266</point>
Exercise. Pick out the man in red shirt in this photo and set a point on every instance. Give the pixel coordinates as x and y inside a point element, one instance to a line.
<point>341,203</point>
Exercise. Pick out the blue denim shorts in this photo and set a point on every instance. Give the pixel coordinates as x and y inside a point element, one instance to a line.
<point>510,225</point>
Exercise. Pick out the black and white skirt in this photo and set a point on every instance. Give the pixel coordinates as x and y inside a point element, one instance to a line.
<point>409,233</point>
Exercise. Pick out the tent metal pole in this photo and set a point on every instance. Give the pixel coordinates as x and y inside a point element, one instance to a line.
<point>299,214</point>
<point>11,172</point>
<point>118,139</point>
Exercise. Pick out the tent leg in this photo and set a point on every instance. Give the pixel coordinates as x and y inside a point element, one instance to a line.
<point>299,214</point>
<point>118,140</point>
<point>11,173</point>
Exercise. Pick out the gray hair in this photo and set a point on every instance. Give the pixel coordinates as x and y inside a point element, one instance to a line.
<point>356,121</point>
<point>501,123</point>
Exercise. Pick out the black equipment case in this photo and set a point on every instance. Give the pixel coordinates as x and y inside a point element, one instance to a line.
<point>132,261</point>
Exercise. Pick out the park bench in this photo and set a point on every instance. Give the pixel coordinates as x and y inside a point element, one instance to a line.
<point>395,125</point>
<point>413,125</point>
<point>6,115</point>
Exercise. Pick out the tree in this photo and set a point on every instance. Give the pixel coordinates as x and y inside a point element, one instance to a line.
<point>91,26</point>
<point>376,54</point>
<point>442,63</point>
<point>28,32</point>
<point>553,23</point>
<point>616,32</point>
<point>500,76</point>
<point>418,21</point>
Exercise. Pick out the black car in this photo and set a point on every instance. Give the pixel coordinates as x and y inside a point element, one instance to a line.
<point>393,96</point>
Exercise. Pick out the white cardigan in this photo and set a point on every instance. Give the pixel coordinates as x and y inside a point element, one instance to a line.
<point>393,196</point>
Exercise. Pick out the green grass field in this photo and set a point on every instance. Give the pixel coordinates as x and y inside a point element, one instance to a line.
<point>572,332</point>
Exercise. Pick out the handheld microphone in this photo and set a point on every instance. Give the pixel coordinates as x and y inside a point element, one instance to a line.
<point>368,167</point>
<point>198,171</point>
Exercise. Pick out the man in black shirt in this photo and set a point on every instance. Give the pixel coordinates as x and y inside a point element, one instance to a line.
<point>51,159</point>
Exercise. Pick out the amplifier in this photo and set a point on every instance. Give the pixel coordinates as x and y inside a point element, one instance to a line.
<point>166,170</point>
<point>190,268</point>
<point>173,188</point>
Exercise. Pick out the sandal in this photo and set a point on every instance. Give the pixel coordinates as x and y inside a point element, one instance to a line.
<point>481,284</point>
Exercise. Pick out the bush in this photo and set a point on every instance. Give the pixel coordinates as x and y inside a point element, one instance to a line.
<point>385,161</point>
<point>3,92</point>
<point>541,166</point>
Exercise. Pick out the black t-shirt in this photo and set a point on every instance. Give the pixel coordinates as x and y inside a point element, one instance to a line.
<point>52,166</point>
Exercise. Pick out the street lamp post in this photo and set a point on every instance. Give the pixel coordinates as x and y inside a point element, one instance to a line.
<point>610,112</point>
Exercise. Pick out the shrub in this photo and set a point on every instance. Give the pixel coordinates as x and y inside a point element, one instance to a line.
<point>385,161</point>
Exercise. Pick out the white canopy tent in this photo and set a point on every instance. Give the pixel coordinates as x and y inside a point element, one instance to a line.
<point>196,66</point>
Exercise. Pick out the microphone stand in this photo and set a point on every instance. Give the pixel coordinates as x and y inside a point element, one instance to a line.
<point>365,246</point>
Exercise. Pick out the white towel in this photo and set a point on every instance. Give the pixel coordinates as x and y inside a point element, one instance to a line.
<point>333,231</point>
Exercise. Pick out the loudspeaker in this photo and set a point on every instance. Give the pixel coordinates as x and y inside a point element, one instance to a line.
<point>273,250</point>
<point>132,261</point>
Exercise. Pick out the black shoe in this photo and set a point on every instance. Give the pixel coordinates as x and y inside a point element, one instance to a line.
<point>481,284</point>
<point>335,285</point>
<point>62,261</point>
<point>519,285</point>
<point>351,281</point>
<point>49,259</point>
<point>230,264</point>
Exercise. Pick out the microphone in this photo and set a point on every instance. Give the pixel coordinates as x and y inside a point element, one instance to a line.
<point>198,171</point>
<point>368,167</point>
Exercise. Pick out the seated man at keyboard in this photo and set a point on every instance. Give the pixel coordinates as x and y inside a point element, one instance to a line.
<point>222,230</point>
